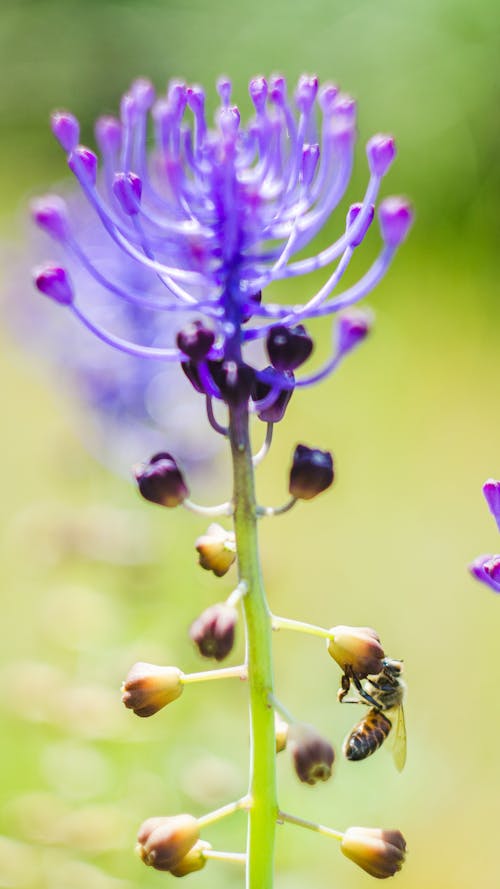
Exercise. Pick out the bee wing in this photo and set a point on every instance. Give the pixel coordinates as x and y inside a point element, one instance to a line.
<point>399,744</point>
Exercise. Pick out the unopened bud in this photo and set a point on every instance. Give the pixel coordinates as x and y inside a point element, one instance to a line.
<point>288,348</point>
<point>148,688</point>
<point>66,129</point>
<point>53,281</point>
<point>358,648</point>
<point>395,217</point>
<point>352,215</point>
<point>161,481</point>
<point>83,163</point>
<point>280,732</point>
<point>127,189</point>
<point>380,853</point>
<point>275,411</point>
<point>234,379</point>
<point>491,491</point>
<point>162,843</point>
<point>312,755</point>
<point>381,151</point>
<point>194,860</point>
<point>195,340</point>
<point>352,328</point>
<point>213,631</point>
<point>217,549</point>
<point>311,472</point>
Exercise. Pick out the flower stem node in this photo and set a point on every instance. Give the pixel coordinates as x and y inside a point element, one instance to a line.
<point>53,281</point>
<point>288,348</point>
<point>311,472</point>
<point>216,549</point>
<point>395,217</point>
<point>213,631</point>
<point>312,755</point>
<point>193,861</point>
<point>163,843</point>
<point>491,491</point>
<point>357,648</point>
<point>148,688</point>
<point>161,481</point>
<point>66,129</point>
<point>195,340</point>
<point>380,853</point>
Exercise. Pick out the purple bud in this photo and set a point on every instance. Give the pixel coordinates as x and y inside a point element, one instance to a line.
<point>234,380</point>
<point>229,120</point>
<point>352,215</point>
<point>492,568</point>
<point>288,348</point>
<point>395,218</point>
<point>108,134</point>
<point>213,631</point>
<point>311,472</point>
<point>326,98</point>
<point>380,151</point>
<point>177,96</point>
<point>195,98</point>
<point>478,569</point>
<point>342,123</point>
<point>276,411</point>
<point>491,491</point>
<point>66,129</point>
<point>277,89</point>
<point>50,215</point>
<point>83,163</point>
<point>352,328</point>
<point>195,340</point>
<point>127,189</point>
<point>143,92</point>
<point>161,481</point>
<point>306,92</point>
<point>258,92</point>
<point>310,158</point>
<point>53,281</point>
<point>223,87</point>
<point>128,109</point>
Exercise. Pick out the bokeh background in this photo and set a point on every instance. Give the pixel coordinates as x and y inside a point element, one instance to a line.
<point>93,579</point>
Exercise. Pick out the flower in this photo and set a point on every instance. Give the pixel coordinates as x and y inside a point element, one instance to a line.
<point>211,217</point>
<point>357,648</point>
<point>163,843</point>
<point>486,568</point>
<point>312,755</point>
<point>380,853</point>
<point>148,688</point>
<point>216,549</point>
<point>213,631</point>
<point>161,481</point>
<point>311,472</point>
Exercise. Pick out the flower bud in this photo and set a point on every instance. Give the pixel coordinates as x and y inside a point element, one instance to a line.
<point>127,189</point>
<point>275,411</point>
<point>280,732</point>
<point>478,570</point>
<point>234,379</point>
<point>148,688</point>
<point>161,480</point>
<point>381,151</point>
<point>288,348</point>
<point>358,648</point>
<point>50,215</point>
<point>491,491</point>
<point>53,281</point>
<point>83,163</point>
<point>379,852</point>
<point>66,129</point>
<point>311,472</point>
<point>108,134</point>
<point>195,340</point>
<point>352,215</point>
<point>213,631</point>
<point>194,860</point>
<point>312,755</point>
<point>352,328</point>
<point>492,568</point>
<point>162,843</point>
<point>395,217</point>
<point>217,549</point>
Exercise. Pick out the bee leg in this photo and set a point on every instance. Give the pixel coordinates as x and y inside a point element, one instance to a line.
<point>345,684</point>
<point>364,694</point>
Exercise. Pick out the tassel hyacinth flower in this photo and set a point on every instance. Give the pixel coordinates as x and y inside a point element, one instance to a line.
<point>211,216</point>
<point>486,568</point>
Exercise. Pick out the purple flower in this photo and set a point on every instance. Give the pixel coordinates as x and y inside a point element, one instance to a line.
<point>211,217</point>
<point>486,568</point>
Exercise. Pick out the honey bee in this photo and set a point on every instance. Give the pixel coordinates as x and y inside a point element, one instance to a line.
<point>384,694</point>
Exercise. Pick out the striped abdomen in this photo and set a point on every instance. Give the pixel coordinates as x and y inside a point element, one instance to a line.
<point>367,736</point>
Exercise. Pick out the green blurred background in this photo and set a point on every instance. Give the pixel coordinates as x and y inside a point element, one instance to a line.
<point>93,579</point>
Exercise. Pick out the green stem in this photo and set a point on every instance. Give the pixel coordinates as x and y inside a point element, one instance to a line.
<point>262,788</point>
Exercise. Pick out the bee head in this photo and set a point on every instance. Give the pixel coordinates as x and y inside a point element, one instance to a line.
<point>393,667</point>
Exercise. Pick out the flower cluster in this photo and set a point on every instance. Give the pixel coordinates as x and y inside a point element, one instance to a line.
<point>486,568</point>
<point>210,218</point>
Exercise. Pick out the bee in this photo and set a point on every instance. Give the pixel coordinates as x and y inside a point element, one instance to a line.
<point>384,694</point>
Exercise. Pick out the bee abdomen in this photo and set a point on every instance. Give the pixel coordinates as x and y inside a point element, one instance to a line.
<point>367,736</point>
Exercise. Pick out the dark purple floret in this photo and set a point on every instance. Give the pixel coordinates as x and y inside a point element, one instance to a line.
<point>191,370</point>
<point>311,472</point>
<point>213,631</point>
<point>275,411</point>
<point>195,340</point>
<point>234,381</point>
<point>161,481</point>
<point>288,348</point>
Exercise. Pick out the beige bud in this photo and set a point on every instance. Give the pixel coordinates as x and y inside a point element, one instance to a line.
<point>148,688</point>
<point>162,843</point>
<point>280,732</point>
<point>312,755</point>
<point>357,648</point>
<point>380,853</point>
<point>216,549</point>
<point>194,860</point>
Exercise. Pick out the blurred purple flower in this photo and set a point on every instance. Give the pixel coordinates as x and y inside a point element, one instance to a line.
<point>486,568</point>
